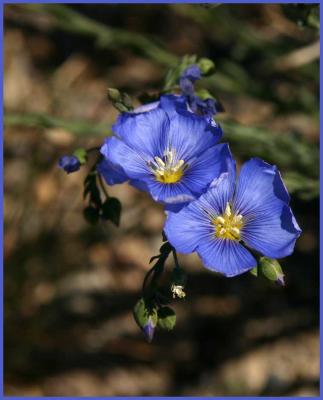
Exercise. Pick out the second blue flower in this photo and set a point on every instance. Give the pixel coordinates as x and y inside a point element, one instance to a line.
<point>171,156</point>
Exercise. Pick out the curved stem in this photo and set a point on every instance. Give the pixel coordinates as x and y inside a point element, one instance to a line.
<point>176,259</point>
<point>102,186</point>
<point>93,149</point>
<point>146,278</point>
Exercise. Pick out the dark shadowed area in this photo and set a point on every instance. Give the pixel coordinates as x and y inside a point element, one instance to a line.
<point>69,286</point>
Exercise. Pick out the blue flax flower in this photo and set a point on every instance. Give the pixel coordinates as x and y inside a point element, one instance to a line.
<point>69,164</point>
<point>228,219</point>
<point>174,157</point>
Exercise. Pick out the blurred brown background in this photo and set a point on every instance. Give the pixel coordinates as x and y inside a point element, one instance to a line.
<point>70,287</point>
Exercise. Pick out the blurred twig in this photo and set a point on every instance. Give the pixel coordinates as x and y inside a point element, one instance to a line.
<point>44,121</point>
<point>298,158</point>
<point>70,20</point>
<point>291,153</point>
<point>299,57</point>
<point>287,150</point>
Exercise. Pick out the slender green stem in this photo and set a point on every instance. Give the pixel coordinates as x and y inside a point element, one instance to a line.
<point>158,268</point>
<point>144,284</point>
<point>101,183</point>
<point>175,259</point>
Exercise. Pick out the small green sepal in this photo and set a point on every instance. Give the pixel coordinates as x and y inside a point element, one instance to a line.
<point>166,318</point>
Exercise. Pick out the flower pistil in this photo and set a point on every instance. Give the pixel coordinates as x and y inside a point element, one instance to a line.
<point>168,169</point>
<point>228,225</point>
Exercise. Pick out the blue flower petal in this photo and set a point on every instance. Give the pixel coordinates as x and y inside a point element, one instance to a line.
<point>259,185</point>
<point>188,135</point>
<point>226,256</point>
<point>273,232</point>
<point>112,174</point>
<point>207,167</point>
<point>261,198</point>
<point>172,193</point>
<point>187,228</point>
<point>215,128</point>
<point>173,104</point>
<point>221,189</point>
<point>145,107</point>
<point>139,184</point>
<point>129,160</point>
<point>144,132</point>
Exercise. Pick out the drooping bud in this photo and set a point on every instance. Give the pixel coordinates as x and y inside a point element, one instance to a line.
<point>281,280</point>
<point>146,317</point>
<point>69,163</point>
<point>149,330</point>
<point>272,270</point>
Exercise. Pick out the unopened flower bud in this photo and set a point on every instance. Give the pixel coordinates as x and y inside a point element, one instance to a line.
<point>149,329</point>
<point>114,95</point>
<point>272,270</point>
<point>69,163</point>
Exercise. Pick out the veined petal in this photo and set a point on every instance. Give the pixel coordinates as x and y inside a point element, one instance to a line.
<point>188,135</point>
<point>262,199</point>
<point>173,193</point>
<point>112,174</point>
<point>143,132</point>
<point>173,104</point>
<point>207,167</point>
<point>273,232</point>
<point>226,256</point>
<point>121,155</point>
<point>187,228</point>
<point>259,185</point>
<point>221,190</point>
<point>176,104</point>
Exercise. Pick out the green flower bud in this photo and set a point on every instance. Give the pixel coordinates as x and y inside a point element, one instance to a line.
<point>206,66</point>
<point>272,270</point>
<point>114,95</point>
<point>81,155</point>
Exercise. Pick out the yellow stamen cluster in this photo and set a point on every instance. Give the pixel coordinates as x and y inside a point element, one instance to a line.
<point>228,225</point>
<point>168,169</point>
